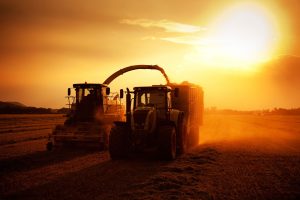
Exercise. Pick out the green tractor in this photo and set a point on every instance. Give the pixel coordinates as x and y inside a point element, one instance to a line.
<point>163,117</point>
<point>158,117</point>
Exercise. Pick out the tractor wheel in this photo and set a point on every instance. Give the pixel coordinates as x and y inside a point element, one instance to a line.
<point>49,146</point>
<point>167,142</point>
<point>182,137</point>
<point>118,143</point>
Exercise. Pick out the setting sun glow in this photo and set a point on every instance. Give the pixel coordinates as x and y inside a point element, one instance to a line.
<point>241,37</point>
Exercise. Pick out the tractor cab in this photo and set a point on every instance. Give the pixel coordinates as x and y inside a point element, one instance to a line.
<point>157,97</point>
<point>151,106</point>
<point>90,98</point>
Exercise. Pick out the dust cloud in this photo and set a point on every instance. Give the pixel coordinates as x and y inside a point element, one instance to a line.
<point>254,133</point>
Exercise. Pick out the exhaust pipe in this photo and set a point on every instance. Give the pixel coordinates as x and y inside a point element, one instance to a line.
<point>128,107</point>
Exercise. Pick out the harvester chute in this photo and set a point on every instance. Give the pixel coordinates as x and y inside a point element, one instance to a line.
<point>135,67</point>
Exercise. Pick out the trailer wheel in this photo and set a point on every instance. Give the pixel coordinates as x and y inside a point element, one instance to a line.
<point>167,142</point>
<point>118,143</point>
<point>49,146</point>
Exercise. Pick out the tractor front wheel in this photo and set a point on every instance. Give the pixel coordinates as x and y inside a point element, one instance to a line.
<point>118,143</point>
<point>167,142</point>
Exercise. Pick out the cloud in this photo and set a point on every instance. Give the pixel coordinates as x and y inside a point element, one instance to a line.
<point>190,40</point>
<point>168,26</point>
<point>191,31</point>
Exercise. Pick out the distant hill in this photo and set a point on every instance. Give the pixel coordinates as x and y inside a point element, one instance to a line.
<point>11,104</point>
<point>16,103</point>
<point>19,108</point>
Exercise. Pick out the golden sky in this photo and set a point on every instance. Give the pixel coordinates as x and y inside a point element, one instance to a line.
<point>245,54</point>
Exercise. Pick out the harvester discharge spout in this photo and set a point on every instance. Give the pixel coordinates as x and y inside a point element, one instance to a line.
<point>135,67</point>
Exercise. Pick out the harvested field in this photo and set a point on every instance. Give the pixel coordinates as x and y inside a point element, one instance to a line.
<point>240,157</point>
<point>24,133</point>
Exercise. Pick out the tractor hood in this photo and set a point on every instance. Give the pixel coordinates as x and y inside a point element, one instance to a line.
<point>143,119</point>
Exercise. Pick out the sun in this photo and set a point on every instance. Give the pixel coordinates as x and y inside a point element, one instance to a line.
<point>241,37</point>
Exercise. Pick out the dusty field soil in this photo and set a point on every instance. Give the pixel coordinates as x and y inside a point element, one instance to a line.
<point>25,133</point>
<point>240,157</point>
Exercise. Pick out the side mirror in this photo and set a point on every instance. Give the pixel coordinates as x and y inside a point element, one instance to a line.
<point>176,92</point>
<point>107,91</point>
<point>69,91</point>
<point>121,94</point>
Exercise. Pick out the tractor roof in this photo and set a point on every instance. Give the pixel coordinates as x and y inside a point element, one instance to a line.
<point>153,87</point>
<point>89,85</point>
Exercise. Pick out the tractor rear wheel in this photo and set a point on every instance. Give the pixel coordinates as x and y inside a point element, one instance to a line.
<point>167,142</point>
<point>118,142</point>
<point>49,146</point>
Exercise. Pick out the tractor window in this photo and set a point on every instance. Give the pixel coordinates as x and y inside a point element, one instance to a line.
<point>151,98</point>
<point>79,94</point>
<point>84,93</point>
<point>158,99</point>
<point>169,100</point>
<point>142,99</point>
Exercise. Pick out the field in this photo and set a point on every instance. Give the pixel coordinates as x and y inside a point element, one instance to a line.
<point>25,133</point>
<point>239,157</point>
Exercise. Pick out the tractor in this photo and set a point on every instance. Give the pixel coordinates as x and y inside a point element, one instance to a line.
<point>163,117</point>
<point>92,112</point>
